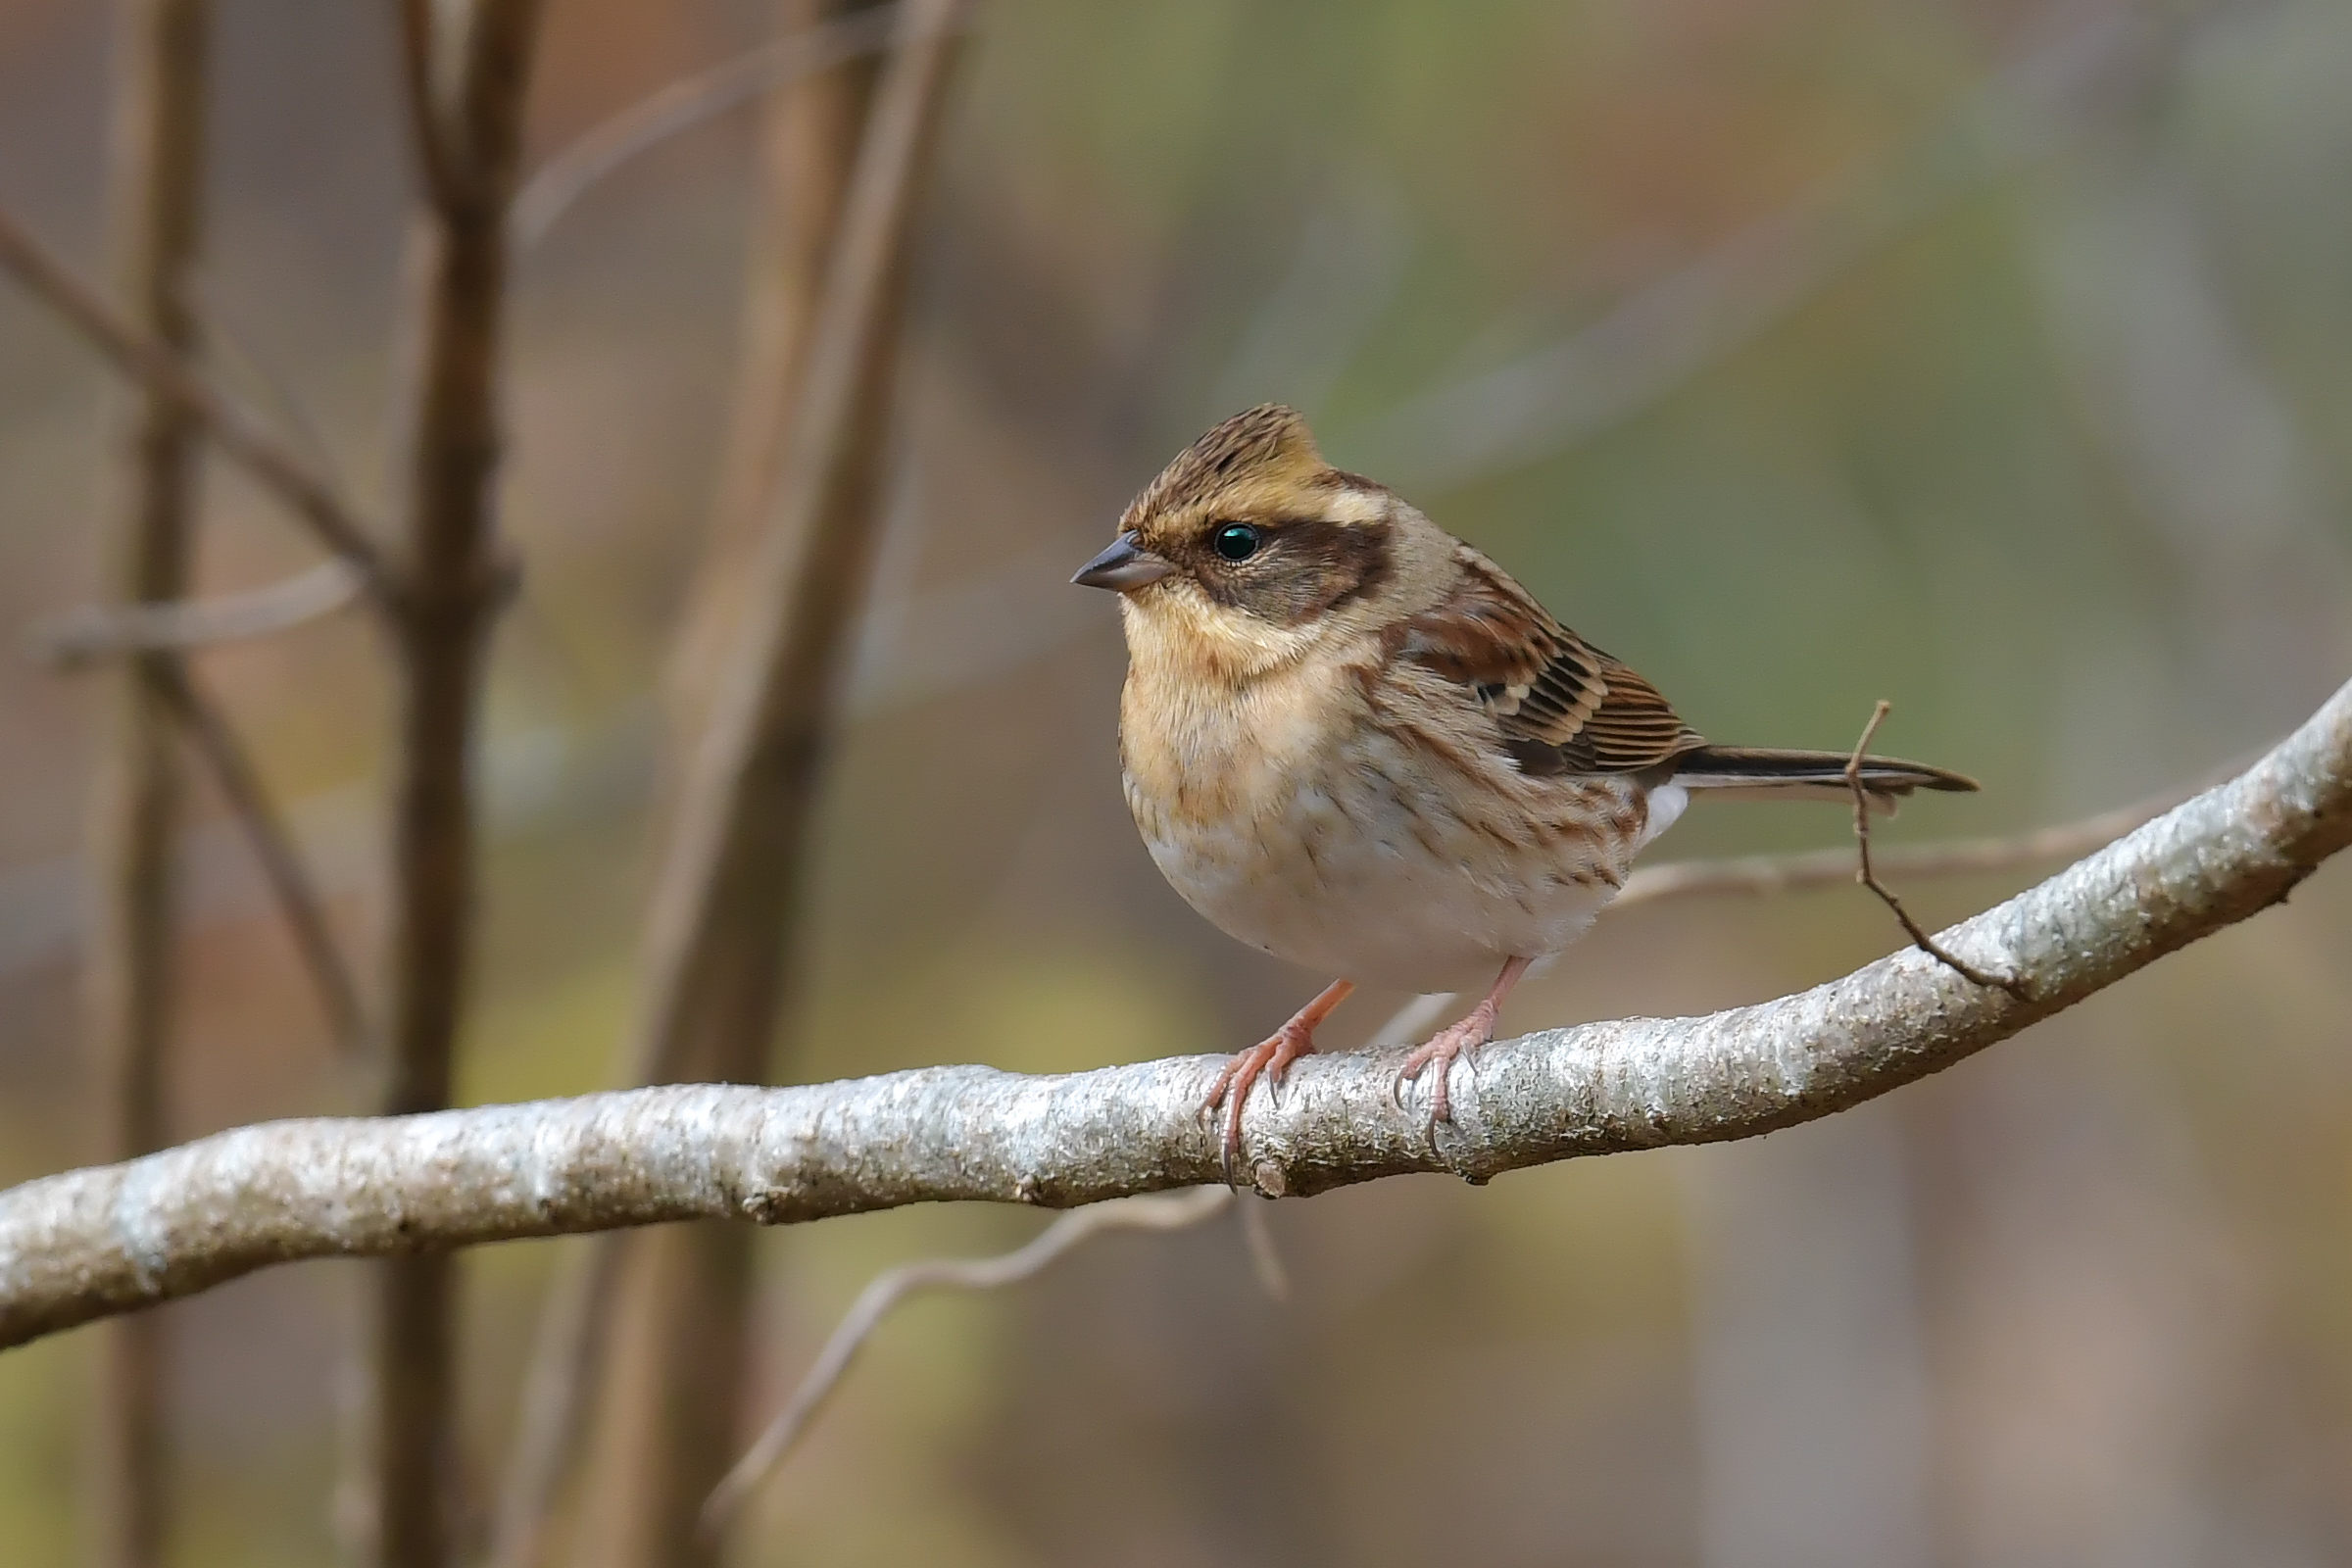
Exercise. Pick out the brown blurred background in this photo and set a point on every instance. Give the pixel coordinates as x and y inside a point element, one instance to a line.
<point>1987,355</point>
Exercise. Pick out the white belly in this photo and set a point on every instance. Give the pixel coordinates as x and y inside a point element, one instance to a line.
<point>1379,865</point>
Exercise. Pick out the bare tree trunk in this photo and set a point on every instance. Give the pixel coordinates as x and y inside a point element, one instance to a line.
<point>158,175</point>
<point>776,602</point>
<point>468,133</point>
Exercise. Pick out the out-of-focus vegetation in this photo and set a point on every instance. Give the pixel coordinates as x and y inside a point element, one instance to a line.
<point>2054,458</point>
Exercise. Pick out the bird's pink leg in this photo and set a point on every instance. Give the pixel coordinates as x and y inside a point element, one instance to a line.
<point>1474,1029</point>
<point>1271,1056</point>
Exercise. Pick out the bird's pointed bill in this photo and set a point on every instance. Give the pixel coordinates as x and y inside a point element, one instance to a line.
<point>1122,567</point>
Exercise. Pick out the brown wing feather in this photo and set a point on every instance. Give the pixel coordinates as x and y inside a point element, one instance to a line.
<point>1561,704</point>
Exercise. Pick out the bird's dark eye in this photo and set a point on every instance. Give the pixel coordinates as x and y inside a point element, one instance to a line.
<point>1236,541</point>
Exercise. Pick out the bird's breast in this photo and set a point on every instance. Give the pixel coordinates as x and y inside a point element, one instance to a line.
<point>1300,817</point>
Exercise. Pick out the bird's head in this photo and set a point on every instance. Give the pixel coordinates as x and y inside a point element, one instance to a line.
<point>1249,550</point>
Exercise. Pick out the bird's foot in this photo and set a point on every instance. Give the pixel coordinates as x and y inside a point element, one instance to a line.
<point>1270,1058</point>
<point>1474,1029</point>
<point>1471,1030</point>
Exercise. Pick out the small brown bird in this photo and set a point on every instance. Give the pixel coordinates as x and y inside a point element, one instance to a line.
<point>1352,741</point>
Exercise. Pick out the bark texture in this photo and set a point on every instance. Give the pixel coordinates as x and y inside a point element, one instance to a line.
<point>87,1243</point>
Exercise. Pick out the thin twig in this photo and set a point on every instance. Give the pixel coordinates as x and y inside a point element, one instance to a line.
<point>299,902</point>
<point>240,363</point>
<point>1265,1258</point>
<point>421,82</point>
<point>560,1386</point>
<point>687,103</point>
<point>238,430</point>
<point>1166,1212</point>
<point>1813,868</point>
<point>1162,1212</point>
<point>95,633</point>
<point>1869,878</point>
<point>776,693</point>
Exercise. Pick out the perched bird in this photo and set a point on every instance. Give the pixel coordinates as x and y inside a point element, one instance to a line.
<point>1352,741</point>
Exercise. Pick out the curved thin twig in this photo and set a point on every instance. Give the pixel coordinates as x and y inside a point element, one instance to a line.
<point>1163,1212</point>
<point>299,902</point>
<point>558,1385</point>
<point>1869,878</point>
<point>95,633</point>
<point>88,1244</point>
<point>683,104</point>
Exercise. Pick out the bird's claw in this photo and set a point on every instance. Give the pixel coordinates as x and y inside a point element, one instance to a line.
<point>1450,1044</point>
<point>1270,1058</point>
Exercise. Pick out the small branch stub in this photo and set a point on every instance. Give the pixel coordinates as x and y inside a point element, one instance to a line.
<point>1869,878</point>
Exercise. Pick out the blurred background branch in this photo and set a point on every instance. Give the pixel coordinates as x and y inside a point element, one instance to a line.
<point>170,375</point>
<point>469,71</point>
<point>94,633</point>
<point>301,902</point>
<point>755,696</point>
<point>808,49</point>
<point>1815,869</point>
<point>158,197</point>
<point>1164,1211</point>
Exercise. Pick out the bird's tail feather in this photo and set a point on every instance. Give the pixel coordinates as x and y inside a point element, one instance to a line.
<point>1761,770</point>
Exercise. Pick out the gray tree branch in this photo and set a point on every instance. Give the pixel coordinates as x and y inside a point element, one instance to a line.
<point>685,104</point>
<point>87,1243</point>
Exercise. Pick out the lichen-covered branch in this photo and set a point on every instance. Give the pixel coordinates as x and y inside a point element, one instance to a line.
<point>90,1243</point>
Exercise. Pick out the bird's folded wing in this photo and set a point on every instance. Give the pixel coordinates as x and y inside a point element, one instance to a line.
<point>1560,703</point>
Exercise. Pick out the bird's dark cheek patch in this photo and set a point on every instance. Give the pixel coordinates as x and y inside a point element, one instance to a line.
<point>1302,569</point>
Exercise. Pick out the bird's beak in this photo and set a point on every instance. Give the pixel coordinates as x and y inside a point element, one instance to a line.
<point>1123,567</point>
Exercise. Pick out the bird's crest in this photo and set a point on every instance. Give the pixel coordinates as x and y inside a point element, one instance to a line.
<point>1255,457</point>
